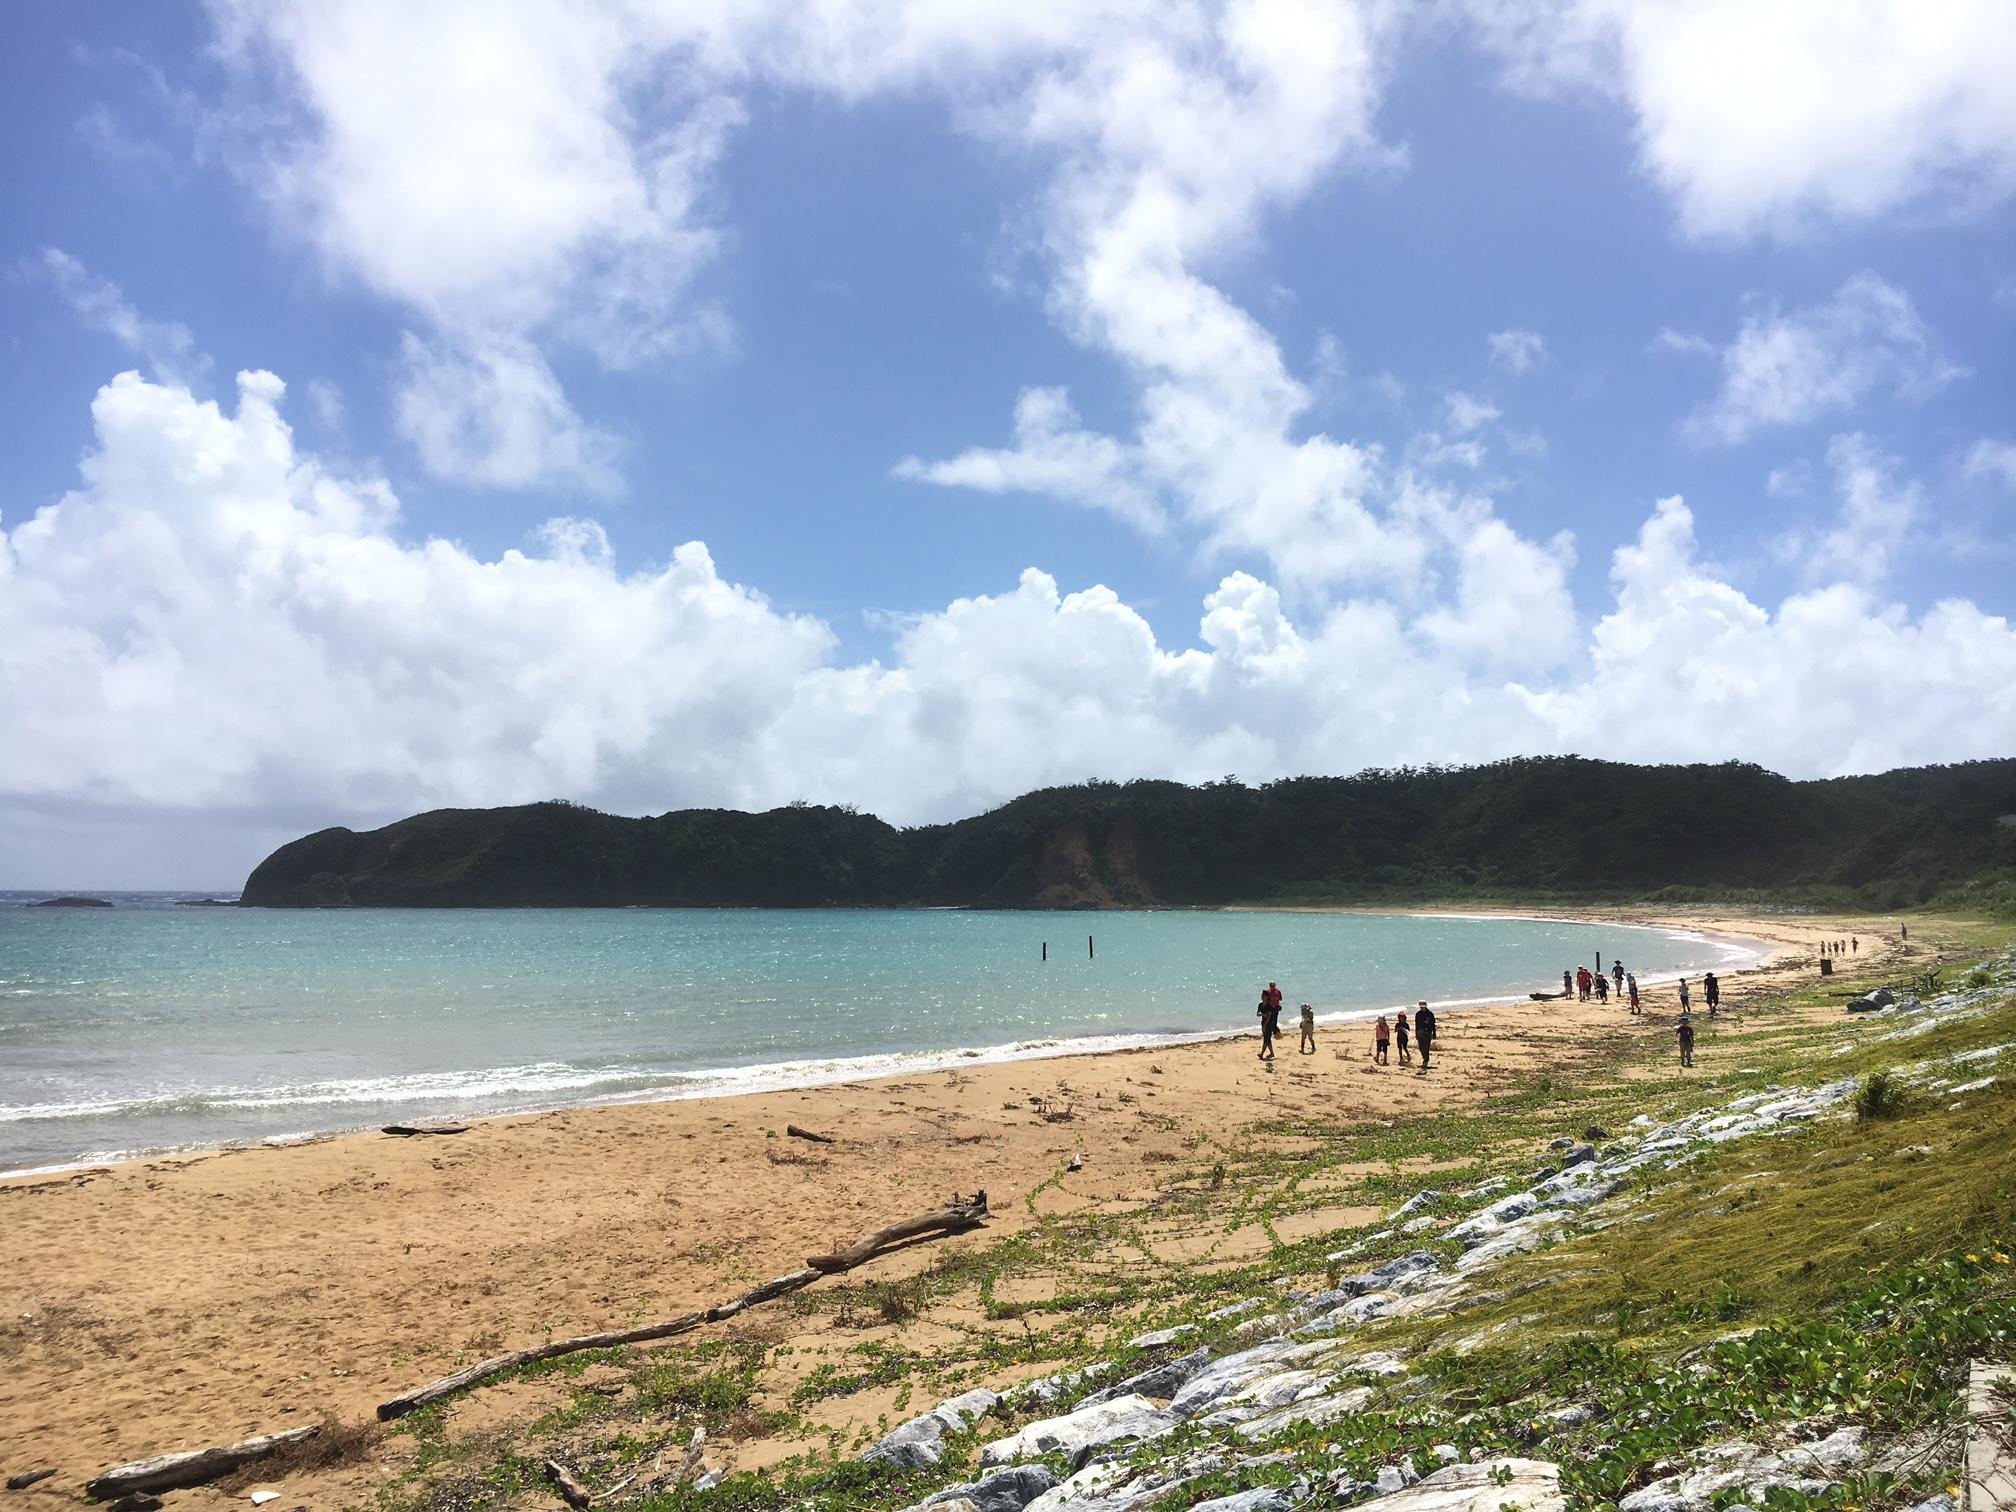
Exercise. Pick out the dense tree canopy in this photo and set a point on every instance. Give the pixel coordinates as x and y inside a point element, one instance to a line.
<point>1558,827</point>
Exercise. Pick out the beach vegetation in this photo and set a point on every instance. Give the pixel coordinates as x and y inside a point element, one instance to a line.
<point>1879,1096</point>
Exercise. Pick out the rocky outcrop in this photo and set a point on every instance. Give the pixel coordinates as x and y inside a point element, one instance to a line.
<point>71,902</point>
<point>920,1443</point>
<point>1159,1381</point>
<point>1076,1435</point>
<point>1008,1489</point>
<point>1809,1469</point>
<point>1530,1485</point>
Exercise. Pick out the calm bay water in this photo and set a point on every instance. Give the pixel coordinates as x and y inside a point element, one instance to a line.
<point>149,1027</point>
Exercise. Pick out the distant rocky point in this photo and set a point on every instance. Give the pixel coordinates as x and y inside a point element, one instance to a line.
<point>1543,828</point>
<point>206,902</point>
<point>71,902</point>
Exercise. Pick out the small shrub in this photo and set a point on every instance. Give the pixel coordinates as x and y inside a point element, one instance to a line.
<point>1879,1096</point>
<point>899,1301</point>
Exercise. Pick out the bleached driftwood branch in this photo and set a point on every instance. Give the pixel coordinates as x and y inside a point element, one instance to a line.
<point>961,1215</point>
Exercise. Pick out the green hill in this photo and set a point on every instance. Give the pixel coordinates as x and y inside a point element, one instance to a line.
<point>1547,827</point>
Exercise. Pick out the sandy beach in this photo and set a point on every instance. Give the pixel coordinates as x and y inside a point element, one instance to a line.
<point>175,1303</point>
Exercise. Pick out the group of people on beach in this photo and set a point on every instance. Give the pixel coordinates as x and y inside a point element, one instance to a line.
<point>1578,982</point>
<point>1582,983</point>
<point>1850,946</point>
<point>1384,1032</point>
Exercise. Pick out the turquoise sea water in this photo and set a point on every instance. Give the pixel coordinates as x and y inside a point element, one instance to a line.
<point>149,1027</point>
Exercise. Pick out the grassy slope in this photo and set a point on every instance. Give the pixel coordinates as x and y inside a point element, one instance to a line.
<point>1775,1238</point>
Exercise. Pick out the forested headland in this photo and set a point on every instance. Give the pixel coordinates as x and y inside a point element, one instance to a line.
<point>1559,828</point>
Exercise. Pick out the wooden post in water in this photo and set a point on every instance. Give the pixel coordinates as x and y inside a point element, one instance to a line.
<point>1046,950</point>
<point>1088,948</point>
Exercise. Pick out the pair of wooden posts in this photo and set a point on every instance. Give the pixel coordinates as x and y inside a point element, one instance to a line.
<point>1090,955</point>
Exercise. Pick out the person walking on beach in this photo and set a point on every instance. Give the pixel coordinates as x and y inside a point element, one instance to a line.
<point>1269,1014</point>
<point>1308,1030</point>
<point>1424,1031</point>
<point>1382,1040</point>
<point>1602,988</point>
<point>1582,983</point>
<point>1400,1033</point>
<point>1632,985</point>
<point>1567,984</point>
<point>1686,1033</point>
<point>1617,972</point>
<point>1854,944</point>
<point>1711,992</point>
<point>1685,1001</point>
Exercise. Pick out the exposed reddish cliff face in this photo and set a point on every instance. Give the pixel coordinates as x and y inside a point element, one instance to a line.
<point>1074,873</point>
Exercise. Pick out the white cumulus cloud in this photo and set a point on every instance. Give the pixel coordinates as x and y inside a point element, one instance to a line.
<point>1772,118</point>
<point>1517,351</point>
<point>1052,455</point>
<point>216,634</point>
<point>1875,515</point>
<point>1788,368</point>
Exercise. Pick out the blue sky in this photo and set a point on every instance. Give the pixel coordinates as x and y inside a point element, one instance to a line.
<point>1053,391</point>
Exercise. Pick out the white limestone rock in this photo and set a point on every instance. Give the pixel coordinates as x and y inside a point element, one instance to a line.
<point>1262,1499</point>
<point>1075,1433</point>
<point>1162,1336</point>
<point>1009,1489</point>
<point>921,1441</point>
<point>1806,1468</point>
<point>1316,1409</point>
<point>1484,1486</point>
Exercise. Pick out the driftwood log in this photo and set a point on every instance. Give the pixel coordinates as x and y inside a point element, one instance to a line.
<point>945,1220</point>
<point>572,1492</point>
<point>797,1133</point>
<point>960,1216</point>
<point>191,1467</point>
<point>27,1478</point>
<point>407,1131</point>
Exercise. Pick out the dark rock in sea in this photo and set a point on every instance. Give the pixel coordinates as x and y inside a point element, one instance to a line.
<point>71,903</point>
